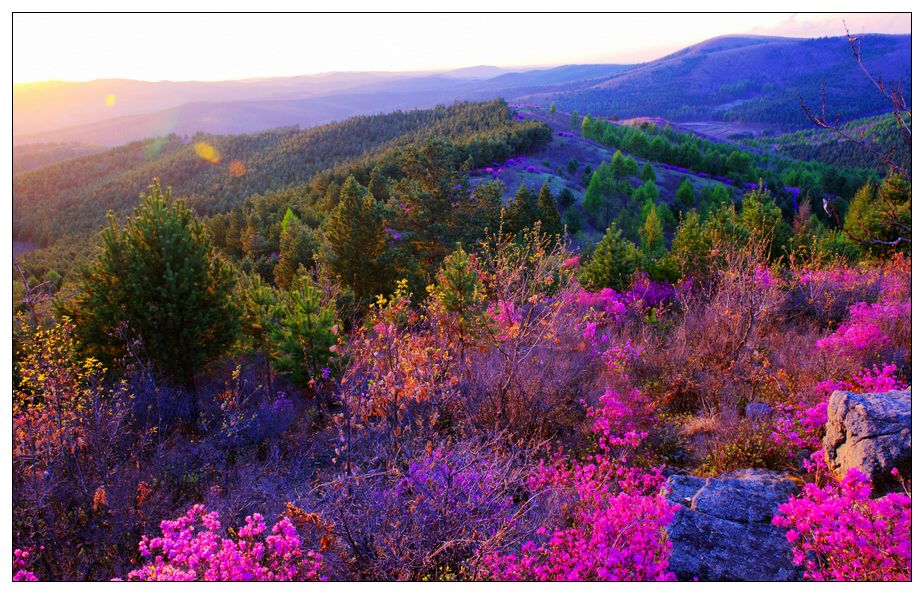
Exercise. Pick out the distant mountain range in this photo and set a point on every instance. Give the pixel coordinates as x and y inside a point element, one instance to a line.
<point>740,78</point>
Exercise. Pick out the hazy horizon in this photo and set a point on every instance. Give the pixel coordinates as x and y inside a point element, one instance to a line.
<point>212,51</point>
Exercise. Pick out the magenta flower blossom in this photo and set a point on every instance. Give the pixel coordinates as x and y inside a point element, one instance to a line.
<point>840,532</point>
<point>191,549</point>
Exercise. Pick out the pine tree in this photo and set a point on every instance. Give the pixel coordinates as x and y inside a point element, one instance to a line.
<point>880,221</point>
<point>460,292</point>
<point>378,184</point>
<point>648,173</point>
<point>616,161</point>
<point>593,197</point>
<point>652,233</point>
<point>552,108</point>
<point>566,198</point>
<point>575,120</point>
<point>297,247</point>
<point>764,221</point>
<point>159,281</point>
<point>629,166</point>
<point>691,244</point>
<point>523,211</point>
<point>548,212</point>
<point>302,338</point>
<point>355,233</point>
<point>434,206</point>
<point>685,195</point>
<point>260,304</point>
<point>613,262</point>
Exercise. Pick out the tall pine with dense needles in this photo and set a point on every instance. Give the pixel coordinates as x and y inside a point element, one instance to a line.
<point>356,236</point>
<point>159,281</point>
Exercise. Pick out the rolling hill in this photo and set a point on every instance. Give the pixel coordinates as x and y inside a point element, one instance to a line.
<point>217,172</point>
<point>229,108</point>
<point>749,79</point>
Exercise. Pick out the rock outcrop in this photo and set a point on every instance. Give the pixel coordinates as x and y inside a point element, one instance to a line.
<point>723,530</point>
<point>870,432</point>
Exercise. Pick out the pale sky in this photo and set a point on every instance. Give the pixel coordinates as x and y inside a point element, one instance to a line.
<point>79,47</point>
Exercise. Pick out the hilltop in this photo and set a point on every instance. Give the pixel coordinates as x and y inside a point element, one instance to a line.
<point>751,79</point>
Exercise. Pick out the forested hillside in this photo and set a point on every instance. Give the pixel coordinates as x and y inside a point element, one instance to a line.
<point>879,133</point>
<point>217,172</point>
<point>33,156</point>
<point>749,79</point>
<point>487,341</point>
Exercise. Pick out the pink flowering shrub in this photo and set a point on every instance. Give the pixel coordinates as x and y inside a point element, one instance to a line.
<point>840,532</point>
<point>506,318</point>
<point>191,548</point>
<point>623,539</point>
<point>616,422</point>
<point>606,301</point>
<point>868,331</point>
<point>863,330</point>
<point>611,518</point>
<point>21,566</point>
<point>763,276</point>
<point>799,426</point>
<point>877,379</point>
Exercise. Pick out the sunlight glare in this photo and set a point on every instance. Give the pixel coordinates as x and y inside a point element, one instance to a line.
<point>208,152</point>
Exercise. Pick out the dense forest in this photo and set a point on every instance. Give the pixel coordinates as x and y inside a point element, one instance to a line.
<point>359,352</point>
<point>877,132</point>
<point>217,172</point>
<point>748,79</point>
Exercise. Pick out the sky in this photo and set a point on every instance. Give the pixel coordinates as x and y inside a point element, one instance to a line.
<point>80,47</point>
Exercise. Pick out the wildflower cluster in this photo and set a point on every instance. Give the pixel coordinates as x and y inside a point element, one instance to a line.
<point>192,549</point>
<point>840,532</point>
<point>21,566</point>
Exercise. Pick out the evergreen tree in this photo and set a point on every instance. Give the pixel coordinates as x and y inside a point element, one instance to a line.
<point>613,262</point>
<point>616,162</point>
<point>723,227</point>
<point>648,173</point>
<point>461,293</point>
<point>304,334</point>
<point>685,195</point>
<point>160,281</point>
<point>523,211</point>
<point>691,244</point>
<point>880,221</point>
<point>575,120</point>
<point>261,311</point>
<point>764,221</point>
<point>566,198</point>
<point>552,108</point>
<point>433,203</point>
<point>355,233</point>
<point>593,197</point>
<point>629,166</point>
<point>573,220</point>
<point>548,212</point>
<point>652,233</point>
<point>297,247</point>
<point>488,200</point>
<point>378,184</point>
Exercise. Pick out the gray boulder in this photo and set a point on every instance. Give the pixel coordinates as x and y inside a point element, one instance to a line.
<point>723,530</point>
<point>870,432</point>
